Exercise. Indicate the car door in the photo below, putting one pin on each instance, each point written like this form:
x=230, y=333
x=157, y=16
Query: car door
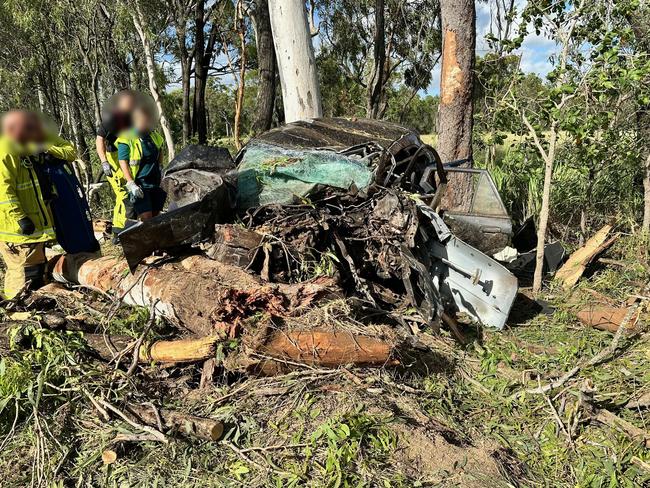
x=474, y=211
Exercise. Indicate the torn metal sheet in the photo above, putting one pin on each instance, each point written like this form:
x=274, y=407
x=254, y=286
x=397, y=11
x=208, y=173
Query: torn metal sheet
x=196, y=171
x=468, y=280
x=172, y=230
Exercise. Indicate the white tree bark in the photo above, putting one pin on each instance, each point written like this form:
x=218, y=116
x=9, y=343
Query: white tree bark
x=296, y=62
x=139, y=23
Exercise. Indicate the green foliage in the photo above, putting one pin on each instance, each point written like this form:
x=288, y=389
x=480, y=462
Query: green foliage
x=355, y=442
x=25, y=378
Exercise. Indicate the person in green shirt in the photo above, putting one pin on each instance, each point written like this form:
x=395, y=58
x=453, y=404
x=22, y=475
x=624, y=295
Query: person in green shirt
x=139, y=151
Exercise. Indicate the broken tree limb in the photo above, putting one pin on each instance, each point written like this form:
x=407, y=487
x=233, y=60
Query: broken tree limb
x=196, y=293
x=601, y=356
x=272, y=352
x=178, y=422
x=105, y=346
x=606, y=317
x=179, y=351
x=569, y=274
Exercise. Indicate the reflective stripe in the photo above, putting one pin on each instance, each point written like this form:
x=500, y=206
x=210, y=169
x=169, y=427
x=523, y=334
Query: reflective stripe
x=49, y=230
x=7, y=202
x=28, y=185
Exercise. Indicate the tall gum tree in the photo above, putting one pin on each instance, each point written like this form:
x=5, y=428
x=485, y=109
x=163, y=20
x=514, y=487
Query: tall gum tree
x=296, y=63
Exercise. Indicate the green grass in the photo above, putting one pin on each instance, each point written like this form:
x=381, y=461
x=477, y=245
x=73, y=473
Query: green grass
x=442, y=424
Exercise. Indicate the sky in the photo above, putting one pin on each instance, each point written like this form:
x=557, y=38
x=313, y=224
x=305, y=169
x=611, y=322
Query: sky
x=536, y=51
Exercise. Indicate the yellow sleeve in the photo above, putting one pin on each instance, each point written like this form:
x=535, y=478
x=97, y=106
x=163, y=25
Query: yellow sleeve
x=8, y=195
x=61, y=149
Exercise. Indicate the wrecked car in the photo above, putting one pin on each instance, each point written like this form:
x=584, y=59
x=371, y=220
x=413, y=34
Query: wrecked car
x=363, y=200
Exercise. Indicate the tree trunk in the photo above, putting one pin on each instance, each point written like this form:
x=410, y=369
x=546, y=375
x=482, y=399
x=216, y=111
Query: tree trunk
x=376, y=82
x=185, y=61
x=199, y=125
x=202, y=296
x=266, y=66
x=140, y=26
x=239, y=102
x=456, y=83
x=549, y=160
x=296, y=62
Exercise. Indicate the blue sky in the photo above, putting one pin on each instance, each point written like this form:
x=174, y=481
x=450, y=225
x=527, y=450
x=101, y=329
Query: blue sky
x=535, y=51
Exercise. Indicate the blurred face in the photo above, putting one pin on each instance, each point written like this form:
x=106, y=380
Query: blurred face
x=125, y=103
x=23, y=127
x=142, y=120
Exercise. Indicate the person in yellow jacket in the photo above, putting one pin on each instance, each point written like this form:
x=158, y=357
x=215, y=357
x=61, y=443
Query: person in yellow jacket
x=116, y=120
x=26, y=222
x=140, y=154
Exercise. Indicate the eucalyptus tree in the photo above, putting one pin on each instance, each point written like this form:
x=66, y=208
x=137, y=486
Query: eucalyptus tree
x=377, y=43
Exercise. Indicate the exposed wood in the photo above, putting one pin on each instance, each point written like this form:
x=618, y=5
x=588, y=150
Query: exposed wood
x=178, y=422
x=109, y=456
x=296, y=62
x=569, y=274
x=181, y=351
x=456, y=83
x=606, y=317
x=196, y=293
x=271, y=352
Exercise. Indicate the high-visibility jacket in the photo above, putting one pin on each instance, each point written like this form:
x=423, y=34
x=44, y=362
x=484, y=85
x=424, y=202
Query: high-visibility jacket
x=20, y=192
x=132, y=139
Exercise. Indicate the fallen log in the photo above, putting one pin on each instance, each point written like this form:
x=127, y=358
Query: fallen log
x=179, y=351
x=271, y=352
x=607, y=317
x=178, y=422
x=196, y=293
x=106, y=347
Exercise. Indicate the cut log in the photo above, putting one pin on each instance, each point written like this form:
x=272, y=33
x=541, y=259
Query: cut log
x=569, y=274
x=196, y=293
x=272, y=352
x=178, y=422
x=180, y=351
x=606, y=317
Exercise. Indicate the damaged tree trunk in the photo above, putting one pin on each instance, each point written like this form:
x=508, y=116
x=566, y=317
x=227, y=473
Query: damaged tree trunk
x=200, y=295
x=456, y=82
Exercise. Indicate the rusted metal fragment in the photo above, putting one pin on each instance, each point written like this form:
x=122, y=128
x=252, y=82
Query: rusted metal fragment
x=196, y=293
x=233, y=244
x=606, y=317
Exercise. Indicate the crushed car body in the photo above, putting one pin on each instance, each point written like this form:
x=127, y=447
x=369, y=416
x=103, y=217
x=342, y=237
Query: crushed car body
x=364, y=201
